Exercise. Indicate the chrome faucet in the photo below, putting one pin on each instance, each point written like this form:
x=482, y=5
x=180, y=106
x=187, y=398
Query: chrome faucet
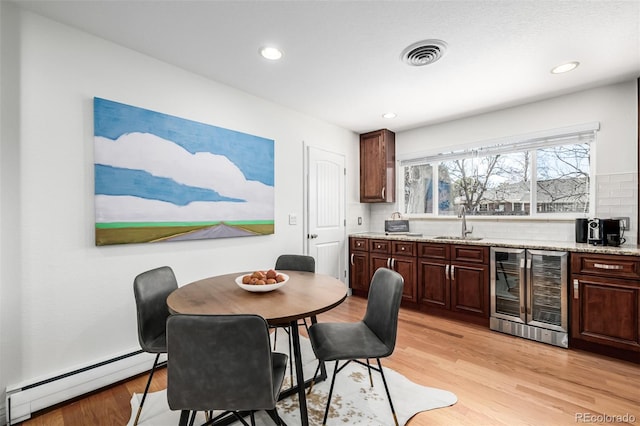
x=463, y=214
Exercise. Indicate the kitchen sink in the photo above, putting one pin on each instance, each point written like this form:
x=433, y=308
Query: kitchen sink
x=451, y=237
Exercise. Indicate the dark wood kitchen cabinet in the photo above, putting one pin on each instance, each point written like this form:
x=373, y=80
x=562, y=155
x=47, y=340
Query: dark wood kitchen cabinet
x=404, y=262
x=605, y=304
x=399, y=256
x=377, y=167
x=359, y=276
x=454, y=280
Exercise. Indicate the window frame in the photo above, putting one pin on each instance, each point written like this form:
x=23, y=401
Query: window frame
x=520, y=143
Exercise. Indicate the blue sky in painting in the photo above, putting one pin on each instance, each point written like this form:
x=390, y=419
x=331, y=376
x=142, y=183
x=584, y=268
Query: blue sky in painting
x=113, y=119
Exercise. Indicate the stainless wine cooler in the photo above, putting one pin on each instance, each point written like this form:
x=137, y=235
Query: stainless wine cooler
x=529, y=294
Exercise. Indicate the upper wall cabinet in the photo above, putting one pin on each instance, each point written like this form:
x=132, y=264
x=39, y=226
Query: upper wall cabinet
x=377, y=167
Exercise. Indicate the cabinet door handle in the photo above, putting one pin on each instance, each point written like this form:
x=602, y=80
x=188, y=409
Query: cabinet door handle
x=453, y=272
x=351, y=259
x=576, y=289
x=605, y=266
x=446, y=272
x=383, y=190
x=388, y=263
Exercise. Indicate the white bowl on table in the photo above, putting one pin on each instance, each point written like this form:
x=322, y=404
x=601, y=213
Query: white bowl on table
x=263, y=287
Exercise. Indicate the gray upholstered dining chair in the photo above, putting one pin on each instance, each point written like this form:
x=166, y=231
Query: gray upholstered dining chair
x=222, y=362
x=293, y=262
x=150, y=290
x=372, y=337
x=296, y=262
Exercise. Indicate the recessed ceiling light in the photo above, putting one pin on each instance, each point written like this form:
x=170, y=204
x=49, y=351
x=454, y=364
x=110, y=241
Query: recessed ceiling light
x=389, y=115
x=271, y=53
x=569, y=66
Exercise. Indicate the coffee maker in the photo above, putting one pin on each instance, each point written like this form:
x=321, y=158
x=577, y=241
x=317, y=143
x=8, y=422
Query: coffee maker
x=603, y=232
x=582, y=230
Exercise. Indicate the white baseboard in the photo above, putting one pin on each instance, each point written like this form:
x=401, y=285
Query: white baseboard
x=29, y=397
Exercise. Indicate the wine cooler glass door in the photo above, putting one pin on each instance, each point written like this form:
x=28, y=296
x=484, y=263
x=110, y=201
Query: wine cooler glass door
x=508, y=284
x=547, y=295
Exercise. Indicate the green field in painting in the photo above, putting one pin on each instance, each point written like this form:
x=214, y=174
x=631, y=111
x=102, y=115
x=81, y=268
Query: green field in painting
x=132, y=233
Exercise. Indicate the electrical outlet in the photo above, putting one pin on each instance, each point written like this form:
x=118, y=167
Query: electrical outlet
x=624, y=223
x=359, y=220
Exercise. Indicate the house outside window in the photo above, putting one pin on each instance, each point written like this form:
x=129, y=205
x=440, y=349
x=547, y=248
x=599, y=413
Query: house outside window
x=531, y=176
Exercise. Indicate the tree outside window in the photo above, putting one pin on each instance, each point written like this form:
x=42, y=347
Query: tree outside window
x=501, y=184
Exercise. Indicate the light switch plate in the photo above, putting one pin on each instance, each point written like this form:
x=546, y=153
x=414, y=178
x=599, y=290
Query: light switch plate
x=293, y=219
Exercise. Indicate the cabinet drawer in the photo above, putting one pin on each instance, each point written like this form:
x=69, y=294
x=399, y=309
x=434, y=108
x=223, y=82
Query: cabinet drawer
x=433, y=251
x=470, y=254
x=380, y=246
x=605, y=265
x=359, y=244
x=403, y=248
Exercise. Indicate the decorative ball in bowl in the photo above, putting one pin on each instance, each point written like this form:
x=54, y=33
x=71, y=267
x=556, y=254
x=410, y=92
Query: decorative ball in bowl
x=262, y=281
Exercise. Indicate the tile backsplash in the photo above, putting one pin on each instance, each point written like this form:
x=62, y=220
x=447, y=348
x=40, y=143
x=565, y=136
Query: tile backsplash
x=616, y=195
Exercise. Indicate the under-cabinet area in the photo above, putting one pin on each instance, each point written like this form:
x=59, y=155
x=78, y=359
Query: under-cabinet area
x=578, y=296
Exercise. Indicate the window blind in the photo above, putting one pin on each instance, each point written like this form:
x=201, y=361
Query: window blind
x=585, y=133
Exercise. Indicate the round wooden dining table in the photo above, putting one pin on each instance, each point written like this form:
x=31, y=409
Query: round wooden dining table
x=305, y=294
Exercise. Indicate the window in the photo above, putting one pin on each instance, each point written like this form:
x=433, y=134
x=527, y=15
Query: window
x=534, y=176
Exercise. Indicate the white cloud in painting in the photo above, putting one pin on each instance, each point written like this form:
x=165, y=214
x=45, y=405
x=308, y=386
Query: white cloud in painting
x=134, y=209
x=163, y=158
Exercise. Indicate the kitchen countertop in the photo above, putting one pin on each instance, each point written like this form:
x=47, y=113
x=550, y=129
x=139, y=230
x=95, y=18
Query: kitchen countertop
x=627, y=250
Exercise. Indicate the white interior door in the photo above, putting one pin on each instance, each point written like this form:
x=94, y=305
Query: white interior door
x=326, y=216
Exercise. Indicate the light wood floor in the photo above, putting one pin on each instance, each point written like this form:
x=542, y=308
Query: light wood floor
x=499, y=379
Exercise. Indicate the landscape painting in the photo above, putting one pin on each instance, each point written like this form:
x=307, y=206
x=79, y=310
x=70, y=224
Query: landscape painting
x=162, y=178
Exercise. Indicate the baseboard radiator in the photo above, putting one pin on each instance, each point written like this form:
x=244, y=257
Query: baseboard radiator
x=27, y=398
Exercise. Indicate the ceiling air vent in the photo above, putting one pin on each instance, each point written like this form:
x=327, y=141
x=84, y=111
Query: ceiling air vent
x=424, y=52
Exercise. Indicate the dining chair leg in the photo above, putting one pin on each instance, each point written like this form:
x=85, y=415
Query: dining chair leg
x=370, y=376
x=276, y=417
x=275, y=337
x=333, y=381
x=184, y=418
x=313, y=379
x=386, y=388
x=240, y=418
x=146, y=390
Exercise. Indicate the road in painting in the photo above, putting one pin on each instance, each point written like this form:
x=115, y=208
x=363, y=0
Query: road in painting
x=163, y=178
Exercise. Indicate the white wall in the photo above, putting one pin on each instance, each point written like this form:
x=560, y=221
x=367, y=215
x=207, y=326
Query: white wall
x=10, y=246
x=66, y=302
x=614, y=106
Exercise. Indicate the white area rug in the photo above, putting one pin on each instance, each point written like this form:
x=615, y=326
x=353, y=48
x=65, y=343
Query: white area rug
x=354, y=401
